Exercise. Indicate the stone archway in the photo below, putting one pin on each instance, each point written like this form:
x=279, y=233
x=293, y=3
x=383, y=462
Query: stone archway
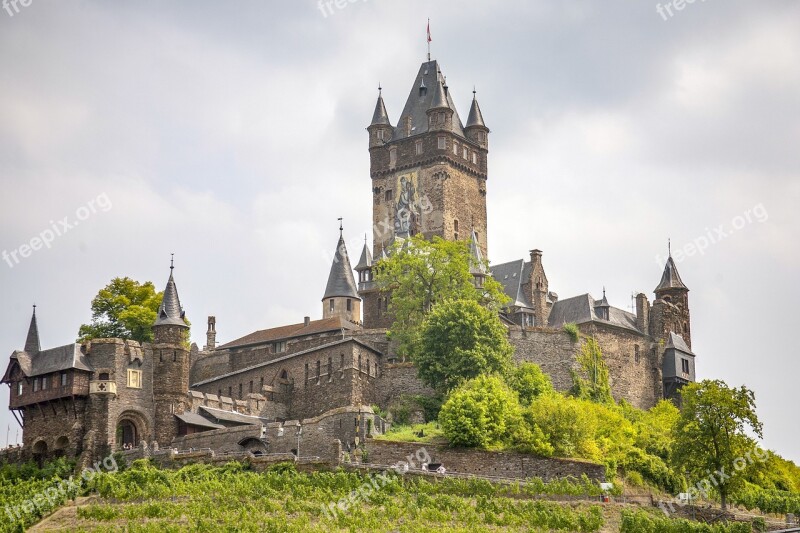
x=40, y=447
x=60, y=448
x=131, y=429
x=253, y=445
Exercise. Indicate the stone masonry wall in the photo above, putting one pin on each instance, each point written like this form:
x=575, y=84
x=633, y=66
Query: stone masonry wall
x=551, y=349
x=482, y=463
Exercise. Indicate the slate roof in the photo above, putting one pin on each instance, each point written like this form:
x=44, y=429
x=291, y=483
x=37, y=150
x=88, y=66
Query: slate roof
x=194, y=419
x=229, y=416
x=418, y=104
x=48, y=361
x=32, y=344
x=670, y=279
x=380, y=117
x=170, y=312
x=475, y=117
x=580, y=310
x=340, y=280
x=335, y=323
x=676, y=342
x=366, y=259
x=511, y=276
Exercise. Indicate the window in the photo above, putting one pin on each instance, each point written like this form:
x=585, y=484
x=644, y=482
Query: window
x=161, y=356
x=349, y=304
x=279, y=347
x=455, y=148
x=341, y=361
x=261, y=388
x=685, y=366
x=388, y=195
x=19, y=388
x=330, y=368
x=251, y=386
x=134, y=379
x=392, y=156
x=230, y=391
x=455, y=229
x=379, y=134
x=44, y=382
x=35, y=384
x=63, y=379
x=418, y=147
x=331, y=305
x=359, y=362
x=636, y=353
x=240, y=391
x=174, y=355
x=369, y=365
x=306, y=371
x=318, y=371
x=441, y=143
x=465, y=153
x=474, y=158
x=219, y=393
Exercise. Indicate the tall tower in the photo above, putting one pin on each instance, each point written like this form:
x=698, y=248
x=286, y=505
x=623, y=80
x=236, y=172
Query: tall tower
x=341, y=297
x=670, y=312
x=171, y=364
x=429, y=171
x=32, y=345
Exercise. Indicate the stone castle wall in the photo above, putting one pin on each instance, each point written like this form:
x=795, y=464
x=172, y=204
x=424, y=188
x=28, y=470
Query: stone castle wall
x=552, y=349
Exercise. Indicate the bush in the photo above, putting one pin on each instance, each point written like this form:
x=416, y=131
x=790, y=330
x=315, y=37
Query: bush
x=571, y=329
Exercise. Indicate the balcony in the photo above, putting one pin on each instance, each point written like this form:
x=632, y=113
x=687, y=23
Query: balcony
x=102, y=387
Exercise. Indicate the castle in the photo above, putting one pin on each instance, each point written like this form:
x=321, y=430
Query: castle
x=321, y=377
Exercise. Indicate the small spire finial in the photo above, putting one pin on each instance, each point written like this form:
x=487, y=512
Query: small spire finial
x=604, y=291
x=474, y=92
x=669, y=246
x=340, y=226
x=34, y=309
x=379, y=88
x=171, y=261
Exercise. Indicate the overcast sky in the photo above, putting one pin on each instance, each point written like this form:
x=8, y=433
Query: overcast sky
x=232, y=134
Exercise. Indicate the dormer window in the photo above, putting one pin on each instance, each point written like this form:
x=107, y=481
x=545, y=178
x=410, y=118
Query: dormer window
x=418, y=147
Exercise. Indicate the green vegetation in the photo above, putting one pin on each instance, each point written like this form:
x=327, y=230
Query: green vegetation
x=27, y=493
x=430, y=432
x=571, y=329
x=419, y=274
x=202, y=497
x=124, y=309
x=593, y=381
x=461, y=340
x=712, y=435
x=644, y=522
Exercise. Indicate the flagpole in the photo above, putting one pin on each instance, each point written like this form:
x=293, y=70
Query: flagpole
x=429, y=39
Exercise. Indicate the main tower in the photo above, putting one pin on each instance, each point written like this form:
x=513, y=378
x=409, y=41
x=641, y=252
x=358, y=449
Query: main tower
x=428, y=172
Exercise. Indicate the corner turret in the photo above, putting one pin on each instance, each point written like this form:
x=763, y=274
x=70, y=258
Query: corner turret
x=341, y=296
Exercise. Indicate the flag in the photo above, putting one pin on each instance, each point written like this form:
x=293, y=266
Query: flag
x=429, y=30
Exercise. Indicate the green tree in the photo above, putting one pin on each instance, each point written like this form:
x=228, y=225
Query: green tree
x=567, y=423
x=529, y=381
x=712, y=436
x=460, y=340
x=418, y=274
x=592, y=382
x=483, y=412
x=124, y=309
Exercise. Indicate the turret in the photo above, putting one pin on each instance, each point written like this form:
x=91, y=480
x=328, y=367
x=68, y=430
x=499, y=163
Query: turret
x=440, y=114
x=211, y=333
x=380, y=128
x=476, y=130
x=364, y=267
x=670, y=312
x=32, y=345
x=539, y=288
x=341, y=296
x=602, y=308
x=171, y=363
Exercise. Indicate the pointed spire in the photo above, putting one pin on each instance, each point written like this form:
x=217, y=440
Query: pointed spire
x=340, y=280
x=365, y=261
x=477, y=267
x=475, y=117
x=32, y=345
x=170, y=312
x=604, y=301
x=439, y=97
x=380, y=117
x=670, y=279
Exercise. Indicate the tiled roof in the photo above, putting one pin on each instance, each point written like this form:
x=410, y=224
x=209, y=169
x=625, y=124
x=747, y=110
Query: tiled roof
x=32, y=344
x=380, y=117
x=170, y=313
x=676, y=341
x=475, y=117
x=194, y=419
x=52, y=360
x=511, y=276
x=340, y=280
x=580, y=310
x=230, y=416
x=670, y=279
x=334, y=323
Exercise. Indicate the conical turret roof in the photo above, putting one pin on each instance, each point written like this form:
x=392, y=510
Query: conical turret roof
x=365, y=261
x=380, y=117
x=439, y=97
x=670, y=279
x=341, y=281
x=32, y=344
x=170, y=313
x=475, y=117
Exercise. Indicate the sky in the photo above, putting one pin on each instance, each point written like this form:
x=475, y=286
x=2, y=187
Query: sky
x=233, y=135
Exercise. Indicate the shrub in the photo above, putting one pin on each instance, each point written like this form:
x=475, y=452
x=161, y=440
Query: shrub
x=571, y=329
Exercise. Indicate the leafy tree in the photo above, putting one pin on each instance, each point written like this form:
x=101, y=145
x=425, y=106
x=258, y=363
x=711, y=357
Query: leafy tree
x=567, y=424
x=529, y=381
x=711, y=441
x=460, y=340
x=124, y=309
x=418, y=274
x=592, y=382
x=483, y=412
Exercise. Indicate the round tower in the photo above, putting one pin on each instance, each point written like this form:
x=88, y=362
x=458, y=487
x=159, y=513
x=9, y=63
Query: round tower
x=341, y=296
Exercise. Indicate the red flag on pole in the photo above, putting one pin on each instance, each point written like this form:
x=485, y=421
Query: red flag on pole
x=429, y=30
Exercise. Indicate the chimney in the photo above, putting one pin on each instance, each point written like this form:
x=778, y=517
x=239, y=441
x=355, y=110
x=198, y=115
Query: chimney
x=642, y=313
x=307, y=320
x=211, y=334
x=536, y=256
